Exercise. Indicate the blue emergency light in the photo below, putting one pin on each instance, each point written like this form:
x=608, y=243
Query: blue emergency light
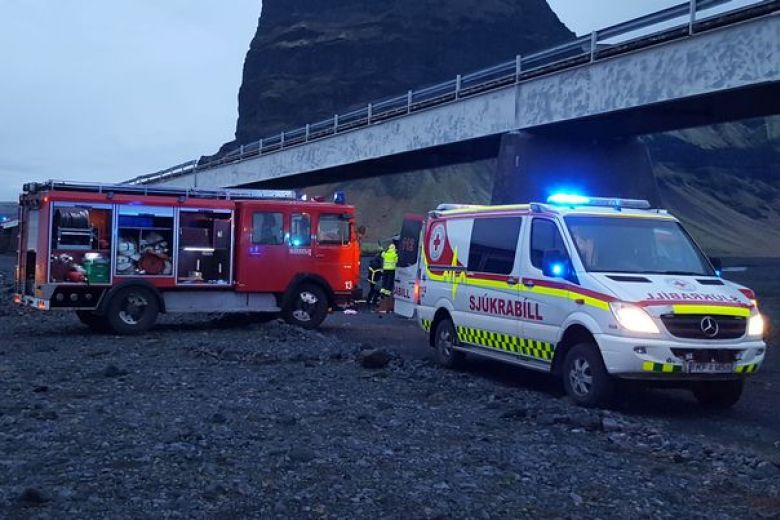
x=557, y=269
x=568, y=199
x=573, y=199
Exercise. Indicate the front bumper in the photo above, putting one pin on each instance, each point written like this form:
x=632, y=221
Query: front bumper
x=656, y=360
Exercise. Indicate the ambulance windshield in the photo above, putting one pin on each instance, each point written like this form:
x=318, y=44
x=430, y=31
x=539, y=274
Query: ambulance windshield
x=636, y=245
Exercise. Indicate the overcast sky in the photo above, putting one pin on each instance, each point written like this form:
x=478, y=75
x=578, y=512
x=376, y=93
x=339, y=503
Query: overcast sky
x=104, y=90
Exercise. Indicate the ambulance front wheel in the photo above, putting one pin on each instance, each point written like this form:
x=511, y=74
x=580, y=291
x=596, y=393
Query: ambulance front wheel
x=132, y=310
x=446, y=341
x=718, y=394
x=585, y=377
x=307, y=308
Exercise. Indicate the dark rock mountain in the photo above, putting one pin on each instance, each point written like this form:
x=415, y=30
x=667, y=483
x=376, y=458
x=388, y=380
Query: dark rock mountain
x=311, y=59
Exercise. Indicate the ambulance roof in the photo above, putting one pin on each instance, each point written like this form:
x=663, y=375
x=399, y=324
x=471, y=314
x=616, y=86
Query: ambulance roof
x=563, y=206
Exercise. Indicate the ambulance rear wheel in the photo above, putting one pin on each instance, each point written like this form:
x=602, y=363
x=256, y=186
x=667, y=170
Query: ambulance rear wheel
x=132, y=310
x=585, y=377
x=308, y=307
x=446, y=342
x=718, y=394
x=93, y=321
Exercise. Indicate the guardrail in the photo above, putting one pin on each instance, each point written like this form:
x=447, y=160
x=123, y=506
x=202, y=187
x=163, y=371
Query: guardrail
x=672, y=23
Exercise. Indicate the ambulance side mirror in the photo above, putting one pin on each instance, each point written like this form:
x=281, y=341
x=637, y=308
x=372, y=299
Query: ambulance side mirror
x=556, y=265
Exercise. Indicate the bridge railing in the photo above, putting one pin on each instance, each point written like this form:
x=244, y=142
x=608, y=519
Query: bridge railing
x=674, y=22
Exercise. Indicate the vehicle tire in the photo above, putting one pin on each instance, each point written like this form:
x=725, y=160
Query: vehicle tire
x=445, y=341
x=718, y=395
x=132, y=310
x=94, y=321
x=308, y=307
x=585, y=377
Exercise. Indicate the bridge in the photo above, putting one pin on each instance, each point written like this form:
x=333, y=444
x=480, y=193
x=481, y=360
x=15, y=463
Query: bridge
x=582, y=103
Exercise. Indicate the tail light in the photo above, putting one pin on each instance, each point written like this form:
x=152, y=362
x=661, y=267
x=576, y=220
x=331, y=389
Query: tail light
x=417, y=292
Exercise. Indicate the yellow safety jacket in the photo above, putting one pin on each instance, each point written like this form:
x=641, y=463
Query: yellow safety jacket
x=390, y=258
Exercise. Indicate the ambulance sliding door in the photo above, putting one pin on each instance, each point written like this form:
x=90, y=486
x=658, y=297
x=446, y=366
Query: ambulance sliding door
x=487, y=306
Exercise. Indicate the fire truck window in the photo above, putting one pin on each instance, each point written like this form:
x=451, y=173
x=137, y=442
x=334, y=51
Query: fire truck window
x=493, y=245
x=545, y=237
x=81, y=244
x=300, y=230
x=333, y=230
x=145, y=246
x=205, y=246
x=268, y=229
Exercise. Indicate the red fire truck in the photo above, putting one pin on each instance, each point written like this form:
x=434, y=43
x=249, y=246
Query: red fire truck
x=119, y=255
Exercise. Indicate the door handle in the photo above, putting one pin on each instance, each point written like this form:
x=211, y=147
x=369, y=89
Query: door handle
x=528, y=283
x=319, y=255
x=511, y=280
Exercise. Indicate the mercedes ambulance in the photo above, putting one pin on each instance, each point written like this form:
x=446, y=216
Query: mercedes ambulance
x=588, y=289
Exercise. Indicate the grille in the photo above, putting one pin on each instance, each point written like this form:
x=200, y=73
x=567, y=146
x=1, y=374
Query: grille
x=689, y=326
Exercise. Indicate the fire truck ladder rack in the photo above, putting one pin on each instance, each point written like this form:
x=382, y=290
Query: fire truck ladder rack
x=183, y=194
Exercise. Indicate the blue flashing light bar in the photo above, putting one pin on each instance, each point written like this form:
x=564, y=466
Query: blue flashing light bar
x=572, y=199
x=568, y=199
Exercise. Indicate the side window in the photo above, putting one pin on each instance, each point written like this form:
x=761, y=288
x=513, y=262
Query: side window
x=268, y=229
x=493, y=244
x=333, y=230
x=545, y=238
x=300, y=230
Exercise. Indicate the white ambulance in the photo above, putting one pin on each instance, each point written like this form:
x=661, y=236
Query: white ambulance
x=589, y=289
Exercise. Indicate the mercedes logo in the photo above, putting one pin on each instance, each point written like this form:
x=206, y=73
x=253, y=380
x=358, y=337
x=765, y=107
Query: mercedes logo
x=709, y=326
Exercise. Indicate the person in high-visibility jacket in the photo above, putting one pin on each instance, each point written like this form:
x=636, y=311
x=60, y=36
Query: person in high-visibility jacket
x=374, y=279
x=389, y=261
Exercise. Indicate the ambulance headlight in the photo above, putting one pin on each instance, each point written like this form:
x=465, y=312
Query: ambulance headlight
x=633, y=318
x=756, y=325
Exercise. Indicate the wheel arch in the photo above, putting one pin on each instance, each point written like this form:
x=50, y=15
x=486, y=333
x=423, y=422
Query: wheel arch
x=304, y=278
x=442, y=313
x=574, y=334
x=106, y=300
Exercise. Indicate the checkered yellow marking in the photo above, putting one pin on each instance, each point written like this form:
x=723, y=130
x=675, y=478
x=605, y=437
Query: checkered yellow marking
x=540, y=350
x=747, y=369
x=666, y=368
x=426, y=325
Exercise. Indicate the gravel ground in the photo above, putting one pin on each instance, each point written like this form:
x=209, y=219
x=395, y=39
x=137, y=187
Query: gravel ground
x=205, y=418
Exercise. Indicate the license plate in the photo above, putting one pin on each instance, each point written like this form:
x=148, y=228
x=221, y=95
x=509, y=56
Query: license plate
x=710, y=368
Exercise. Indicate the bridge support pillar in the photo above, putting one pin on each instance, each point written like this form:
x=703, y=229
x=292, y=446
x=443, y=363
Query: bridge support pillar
x=531, y=167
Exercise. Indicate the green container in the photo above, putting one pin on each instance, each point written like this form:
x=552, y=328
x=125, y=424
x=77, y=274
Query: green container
x=98, y=271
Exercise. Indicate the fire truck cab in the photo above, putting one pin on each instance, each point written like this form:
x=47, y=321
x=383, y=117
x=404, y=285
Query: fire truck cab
x=589, y=289
x=119, y=255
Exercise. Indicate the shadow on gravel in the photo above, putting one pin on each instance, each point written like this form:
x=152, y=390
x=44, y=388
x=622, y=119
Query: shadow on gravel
x=631, y=398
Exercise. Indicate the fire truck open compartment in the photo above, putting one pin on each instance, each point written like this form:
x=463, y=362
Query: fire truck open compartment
x=80, y=238
x=205, y=247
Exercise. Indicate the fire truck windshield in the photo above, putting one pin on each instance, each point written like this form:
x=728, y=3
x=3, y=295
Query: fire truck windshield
x=636, y=245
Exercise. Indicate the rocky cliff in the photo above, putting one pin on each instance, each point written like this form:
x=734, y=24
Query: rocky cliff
x=311, y=59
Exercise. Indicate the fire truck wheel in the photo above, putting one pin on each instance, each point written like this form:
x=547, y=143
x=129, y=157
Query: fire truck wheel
x=93, y=321
x=718, y=394
x=446, y=341
x=585, y=378
x=132, y=310
x=308, y=307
